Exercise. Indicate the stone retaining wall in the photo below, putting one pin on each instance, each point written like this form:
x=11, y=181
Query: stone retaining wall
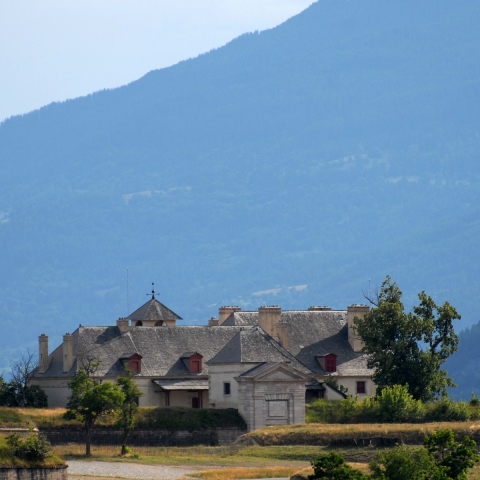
x=147, y=438
x=59, y=473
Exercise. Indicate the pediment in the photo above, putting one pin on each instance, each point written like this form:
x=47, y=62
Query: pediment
x=276, y=372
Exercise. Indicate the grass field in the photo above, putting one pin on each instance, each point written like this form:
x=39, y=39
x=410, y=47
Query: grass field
x=322, y=434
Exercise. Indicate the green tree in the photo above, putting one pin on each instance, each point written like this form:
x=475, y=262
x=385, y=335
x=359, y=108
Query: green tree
x=333, y=467
x=409, y=348
x=91, y=399
x=406, y=463
x=455, y=458
x=333, y=382
x=129, y=406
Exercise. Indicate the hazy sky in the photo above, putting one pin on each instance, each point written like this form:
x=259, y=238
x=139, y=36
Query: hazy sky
x=58, y=49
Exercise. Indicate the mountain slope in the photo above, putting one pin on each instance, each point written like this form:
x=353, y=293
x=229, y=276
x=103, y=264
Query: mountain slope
x=299, y=162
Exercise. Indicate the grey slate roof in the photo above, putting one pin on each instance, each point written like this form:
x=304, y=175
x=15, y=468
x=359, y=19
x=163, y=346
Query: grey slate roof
x=241, y=319
x=183, y=384
x=310, y=334
x=161, y=348
x=153, y=310
x=253, y=345
x=314, y=333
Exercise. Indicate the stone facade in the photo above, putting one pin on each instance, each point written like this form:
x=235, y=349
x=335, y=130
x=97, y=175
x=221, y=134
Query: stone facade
x=59, y=473
x=272, y=394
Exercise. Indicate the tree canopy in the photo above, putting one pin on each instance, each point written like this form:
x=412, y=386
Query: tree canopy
x=409, y=348
x=90, y=399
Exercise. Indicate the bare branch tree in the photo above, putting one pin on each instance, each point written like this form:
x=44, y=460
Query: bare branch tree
x=22, y=372
x=372, y=297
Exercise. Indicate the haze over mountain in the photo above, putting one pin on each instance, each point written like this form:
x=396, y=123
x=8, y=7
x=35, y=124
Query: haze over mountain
x=288, y=167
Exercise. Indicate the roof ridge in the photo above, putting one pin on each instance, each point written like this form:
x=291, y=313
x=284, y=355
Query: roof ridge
x=282, y=349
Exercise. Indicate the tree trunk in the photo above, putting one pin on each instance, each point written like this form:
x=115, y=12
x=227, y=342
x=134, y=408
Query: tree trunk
x=126, y=433
x=88, y=427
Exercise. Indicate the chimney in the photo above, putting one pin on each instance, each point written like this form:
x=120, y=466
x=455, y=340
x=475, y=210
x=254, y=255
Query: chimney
x=353, y=311
x=281, y=334
x=319, y=308
x=42, y=353
x=225, y=312
x=213, y=322
x=67, y=352
x=122, y=324
x=268, y=317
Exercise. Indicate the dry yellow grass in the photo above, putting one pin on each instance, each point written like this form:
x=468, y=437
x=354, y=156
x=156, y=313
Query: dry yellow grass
x=237, y=473
x=323, y=434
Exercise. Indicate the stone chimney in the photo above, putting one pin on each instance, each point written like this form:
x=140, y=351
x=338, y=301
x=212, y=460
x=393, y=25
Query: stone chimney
x=213, y=322
x=319, y=308
x=281, y=334
x=122, y=324
x=225, y=312
x=42, y=353
x=67, y=352
x=268, y=317
x=353, y=311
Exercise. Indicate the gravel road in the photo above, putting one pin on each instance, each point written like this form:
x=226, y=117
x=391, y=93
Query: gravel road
x=126, y=470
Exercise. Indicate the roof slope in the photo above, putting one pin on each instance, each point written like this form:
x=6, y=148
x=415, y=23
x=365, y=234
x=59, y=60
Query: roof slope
x=153, y=310
x=253, y=345
x=312, y=333
x=160, y=347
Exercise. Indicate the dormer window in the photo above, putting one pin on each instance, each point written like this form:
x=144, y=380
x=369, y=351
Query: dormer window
x=133, y=361
x=193, y=361
x=328, y=362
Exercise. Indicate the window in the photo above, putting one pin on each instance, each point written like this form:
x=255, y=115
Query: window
x=330, y=363
x=361, y=388
x=226, y=388
x=195, y=366
x=135, y=366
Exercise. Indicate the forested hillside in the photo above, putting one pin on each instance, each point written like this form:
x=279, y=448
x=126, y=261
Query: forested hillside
x=288, y=167
x=464, y=365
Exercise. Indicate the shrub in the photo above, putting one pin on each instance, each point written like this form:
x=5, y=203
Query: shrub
x=474, y=401
x=447, y=410
x=179, y=418
x=401, y=463
x=34, y=448
x=333, y=467
x=333, y=411
x=394, y=404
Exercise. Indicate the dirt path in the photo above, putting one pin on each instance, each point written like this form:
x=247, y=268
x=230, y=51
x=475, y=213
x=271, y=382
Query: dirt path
x=117, y=470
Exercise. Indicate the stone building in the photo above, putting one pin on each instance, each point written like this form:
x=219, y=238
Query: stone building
x=265, y=363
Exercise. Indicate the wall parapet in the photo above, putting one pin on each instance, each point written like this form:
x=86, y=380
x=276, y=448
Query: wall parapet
x=147, y=437
x=18, y=473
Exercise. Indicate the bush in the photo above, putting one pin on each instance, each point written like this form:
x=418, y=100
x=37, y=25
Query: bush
x=393, y=405
x=447, y=410
x=34, y=448
x=333, y=467
x=401, y=463
x=179, y=418
x=333, y=411
x=474, y=401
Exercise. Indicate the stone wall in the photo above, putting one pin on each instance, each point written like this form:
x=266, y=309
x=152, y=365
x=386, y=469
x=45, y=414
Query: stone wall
x=59, y=473
x=147, y=438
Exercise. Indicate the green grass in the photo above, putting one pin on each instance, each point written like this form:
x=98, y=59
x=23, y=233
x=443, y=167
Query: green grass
x=8, y=459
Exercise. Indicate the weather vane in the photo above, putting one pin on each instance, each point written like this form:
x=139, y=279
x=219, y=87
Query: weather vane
x=153, y=291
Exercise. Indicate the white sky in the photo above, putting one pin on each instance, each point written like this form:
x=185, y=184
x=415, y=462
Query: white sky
x=51, y=50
